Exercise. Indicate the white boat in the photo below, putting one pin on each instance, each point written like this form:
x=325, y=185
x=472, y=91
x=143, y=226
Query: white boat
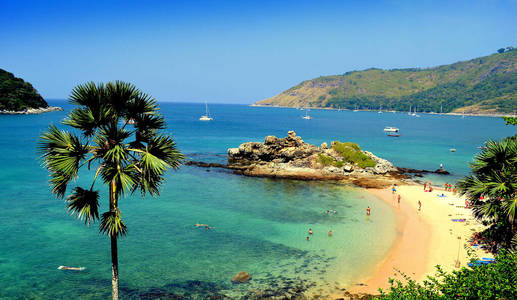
x=380, y=110
x=306, y=117
x=452, y=150
x=409, y=112
x=356, y=110
x=391, y=129
x=206, y=117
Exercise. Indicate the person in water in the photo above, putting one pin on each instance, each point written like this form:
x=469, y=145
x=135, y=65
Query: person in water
x=330, y=232
x=71, y=268
x=200, y=225
x=310, y=231
x=368, y=211
x=308, y=239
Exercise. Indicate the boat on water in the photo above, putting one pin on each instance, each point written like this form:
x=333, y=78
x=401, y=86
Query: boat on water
x=206, y=117
x=380, y=110
x=391, y=129
x=452, y=150
x=306, y=117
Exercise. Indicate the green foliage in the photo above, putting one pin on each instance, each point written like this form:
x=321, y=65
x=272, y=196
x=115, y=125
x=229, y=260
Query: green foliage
x=510, y=120
x=16, y=94
x=329, y=161
x=493, y=281
x=491, y=188
x=351, y=152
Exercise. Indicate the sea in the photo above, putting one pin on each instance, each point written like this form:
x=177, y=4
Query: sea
x=260, y=225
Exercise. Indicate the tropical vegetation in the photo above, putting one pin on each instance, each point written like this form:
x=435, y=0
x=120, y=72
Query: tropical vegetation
x=117, y=134
x=485, y=84
x=349, y=153
x=496, y=280
x=17, y=94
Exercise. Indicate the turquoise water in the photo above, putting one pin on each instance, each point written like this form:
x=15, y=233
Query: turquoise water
x=260, y=224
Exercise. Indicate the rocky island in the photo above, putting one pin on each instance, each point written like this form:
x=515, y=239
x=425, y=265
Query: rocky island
x=292, y=158
x=20, y=97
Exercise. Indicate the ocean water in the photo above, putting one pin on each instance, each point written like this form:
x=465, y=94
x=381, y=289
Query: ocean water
x=260, y=224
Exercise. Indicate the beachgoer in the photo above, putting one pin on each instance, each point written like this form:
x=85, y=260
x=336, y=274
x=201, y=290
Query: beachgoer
x=327, y=211
x=330, y=232
x=430, y=188
x=419, y=205
x=430, y=183
x=446, y=186
x=393, y=189
x=368, y=211
x=398, y=198
x=71, y=268
x=307, y=239
x=200, y=225
x=454, y=191
x=310, y=231
x=425, y=185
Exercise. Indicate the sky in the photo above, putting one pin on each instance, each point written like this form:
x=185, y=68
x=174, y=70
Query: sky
x=238, y=51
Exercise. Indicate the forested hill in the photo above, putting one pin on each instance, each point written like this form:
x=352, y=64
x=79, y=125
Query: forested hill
x=17, y=95
x=486, y=84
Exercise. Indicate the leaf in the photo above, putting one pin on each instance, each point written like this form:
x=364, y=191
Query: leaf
x=84, y=204
x=112, y=224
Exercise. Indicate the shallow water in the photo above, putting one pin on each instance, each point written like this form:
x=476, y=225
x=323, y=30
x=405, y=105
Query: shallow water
x=260, y=224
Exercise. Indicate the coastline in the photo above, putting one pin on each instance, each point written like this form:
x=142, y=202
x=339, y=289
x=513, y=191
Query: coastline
x=493, y=115
x=425, y=238
x=31, y=111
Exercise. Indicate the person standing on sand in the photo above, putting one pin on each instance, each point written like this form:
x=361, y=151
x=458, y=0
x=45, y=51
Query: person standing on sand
x=368, y=211
x=398, y=198
x=425, y=185
x=419, y=205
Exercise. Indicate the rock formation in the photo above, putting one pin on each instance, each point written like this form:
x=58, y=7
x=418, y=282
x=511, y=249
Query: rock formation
x=292, y=158
x=241, y=277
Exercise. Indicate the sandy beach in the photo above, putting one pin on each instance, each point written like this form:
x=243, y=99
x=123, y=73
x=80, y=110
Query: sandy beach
x=426, y=237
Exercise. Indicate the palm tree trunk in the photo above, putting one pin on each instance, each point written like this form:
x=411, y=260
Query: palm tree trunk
x=114, y=248
x=114, y=268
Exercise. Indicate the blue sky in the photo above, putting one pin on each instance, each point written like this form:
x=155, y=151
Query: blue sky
x=238, y=51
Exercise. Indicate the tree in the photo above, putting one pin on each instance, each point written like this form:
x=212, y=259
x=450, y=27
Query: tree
x=119, y=134
x=501, y=50
x=491, y=188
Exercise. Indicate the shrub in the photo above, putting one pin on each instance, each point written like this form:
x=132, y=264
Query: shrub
x=351, y=152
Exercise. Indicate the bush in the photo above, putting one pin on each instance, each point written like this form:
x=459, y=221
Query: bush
x=351, y=152
x=329, y=161
x=493, y=281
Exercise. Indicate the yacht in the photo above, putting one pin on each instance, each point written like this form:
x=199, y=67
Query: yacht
x=306, y=117
x=391, y=129
x=206, y=117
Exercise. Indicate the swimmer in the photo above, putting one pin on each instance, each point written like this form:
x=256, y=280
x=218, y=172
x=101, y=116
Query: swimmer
x=368, y=211
x=308, y=239
x=327, y=211
x=71, y=268
x=200, y=225
x=310, y=231
x=330, y=232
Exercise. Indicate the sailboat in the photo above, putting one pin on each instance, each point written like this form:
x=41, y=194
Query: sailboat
x=409, y=112
x=206, y=117
x=356, y=110
x=380, y=110
x=306, y=117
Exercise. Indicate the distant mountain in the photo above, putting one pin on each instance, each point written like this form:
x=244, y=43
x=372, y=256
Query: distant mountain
x=481, y=85
x=18, y=95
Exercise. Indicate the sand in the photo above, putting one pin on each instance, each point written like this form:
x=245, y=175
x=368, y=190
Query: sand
x=426, y=237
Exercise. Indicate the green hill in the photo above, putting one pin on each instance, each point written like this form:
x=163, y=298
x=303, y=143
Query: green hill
x=485, y=84
x=17, y=95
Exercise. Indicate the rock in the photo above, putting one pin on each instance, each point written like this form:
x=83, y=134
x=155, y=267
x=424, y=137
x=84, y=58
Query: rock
x=241, y=277
x=324, y=146
x=441, y=171
x=270, y=140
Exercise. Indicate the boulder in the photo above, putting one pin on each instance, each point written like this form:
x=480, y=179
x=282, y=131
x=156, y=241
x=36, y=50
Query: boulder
x=324, y=146
x=241, y=277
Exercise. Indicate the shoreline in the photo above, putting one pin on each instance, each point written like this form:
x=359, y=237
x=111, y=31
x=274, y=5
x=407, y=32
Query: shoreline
x=32, y=111
x=493, y=115
x=425, y=238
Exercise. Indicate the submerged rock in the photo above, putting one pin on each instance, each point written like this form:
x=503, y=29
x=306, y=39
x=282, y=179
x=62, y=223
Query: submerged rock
x=241, y=277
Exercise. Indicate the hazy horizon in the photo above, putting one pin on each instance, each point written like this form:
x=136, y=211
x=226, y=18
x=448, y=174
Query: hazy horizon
x=234, y=52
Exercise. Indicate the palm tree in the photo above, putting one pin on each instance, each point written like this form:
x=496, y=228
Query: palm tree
x=119, y=135
x=492, y=190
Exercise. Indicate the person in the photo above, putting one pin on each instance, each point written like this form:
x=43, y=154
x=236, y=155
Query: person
x=327, y=211
x=446, y=186
x=200, y=225
x=425, y=185
x=441, y=166
x=454, y=191
x=310, y=231
x=208, y=227
x=419, y=205
x=308, y=239
x=430, y=188
x=398, y=198
x=330, y=232
x=71, y=268
x=368, y=211
x=393, y=189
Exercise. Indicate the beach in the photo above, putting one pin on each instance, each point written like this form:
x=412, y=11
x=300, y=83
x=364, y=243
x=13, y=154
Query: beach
x=425, y=238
